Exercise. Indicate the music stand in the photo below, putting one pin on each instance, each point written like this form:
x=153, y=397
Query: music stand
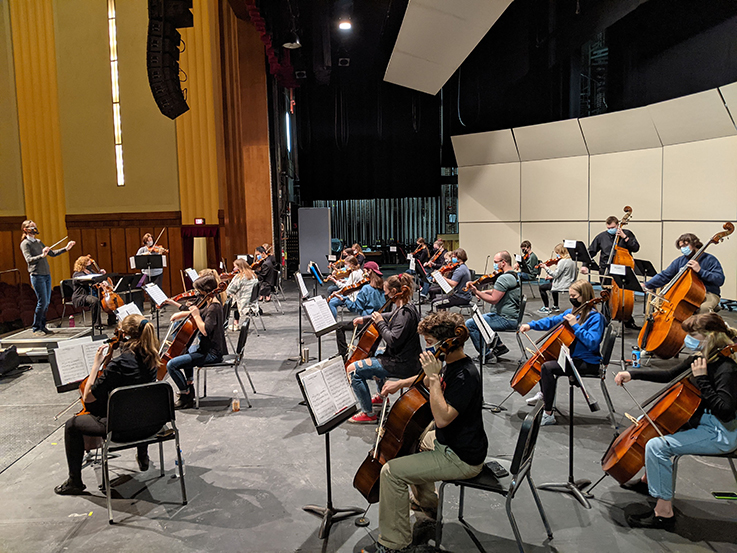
x=573, y=486
x=422, y=274
x=148, y=262
x=488, y=336
x=628, y=281
x=579, y=252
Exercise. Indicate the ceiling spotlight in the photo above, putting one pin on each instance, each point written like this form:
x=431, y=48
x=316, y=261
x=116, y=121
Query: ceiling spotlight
x=344, y=25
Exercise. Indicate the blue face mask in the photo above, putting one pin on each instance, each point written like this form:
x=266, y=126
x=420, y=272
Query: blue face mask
x=454, y=260
x=433, y=348
x=692, y=343
x=496, y=266
x=612, y=230
x=686, y=250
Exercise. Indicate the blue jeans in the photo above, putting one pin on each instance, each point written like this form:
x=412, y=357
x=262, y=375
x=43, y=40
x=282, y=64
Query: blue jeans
x=366, y=369
x=42, y=286
x=710, y=437
x=527, y=277
x=181, y=368
x=334, y=303
x=496, y=322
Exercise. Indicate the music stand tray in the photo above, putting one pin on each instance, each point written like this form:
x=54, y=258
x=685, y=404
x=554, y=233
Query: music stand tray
x=644, y=268
x=581, y=253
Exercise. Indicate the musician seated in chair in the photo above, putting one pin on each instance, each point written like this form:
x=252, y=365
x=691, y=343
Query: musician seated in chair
x=369, y=298
x=455, y=449
x=400, y=359
x=241, y=288
x=137, y=364
x=506, y=297
x=707, y=268
x=433, y=264
x=268, y=274
x=559, y=278
x=531, y=261
x=209, y=348
x=711, y=430
x=84, y=295
x=458, y=280
x=588, y=326
x=355, y=276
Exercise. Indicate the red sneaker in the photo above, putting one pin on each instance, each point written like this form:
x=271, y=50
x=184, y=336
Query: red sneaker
x=363, y=418
x=378, y=399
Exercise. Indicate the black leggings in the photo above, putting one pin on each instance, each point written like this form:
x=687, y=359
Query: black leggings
x=545, y=287
x=550, y=372
x=75, y=430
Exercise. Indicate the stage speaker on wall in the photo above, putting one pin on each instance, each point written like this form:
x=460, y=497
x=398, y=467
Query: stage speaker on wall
x=162, y=53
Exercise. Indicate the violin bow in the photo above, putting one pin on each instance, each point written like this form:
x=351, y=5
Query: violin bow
x=159, y=236
x=633, y=420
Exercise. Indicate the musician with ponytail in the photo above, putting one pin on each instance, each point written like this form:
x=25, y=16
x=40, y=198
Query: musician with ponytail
x=713, y=427
x=137, y=364
x=400, y=359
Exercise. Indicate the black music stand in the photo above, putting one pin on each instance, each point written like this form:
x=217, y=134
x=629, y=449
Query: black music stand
x=488, y=336
x=148, y=262
x=573, y=486
x=421, y=273
x=581, y=253
x=628, y=281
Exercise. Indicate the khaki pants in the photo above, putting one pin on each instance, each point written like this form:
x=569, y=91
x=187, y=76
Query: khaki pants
x=421, y=471
x=709, y=304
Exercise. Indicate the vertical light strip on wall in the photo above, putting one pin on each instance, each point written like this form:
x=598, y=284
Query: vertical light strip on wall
x=113, y=36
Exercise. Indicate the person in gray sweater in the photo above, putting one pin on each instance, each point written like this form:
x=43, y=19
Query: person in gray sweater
x=559, y=279
x=35, y=253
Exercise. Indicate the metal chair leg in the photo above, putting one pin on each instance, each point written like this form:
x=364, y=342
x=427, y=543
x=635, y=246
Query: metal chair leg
x=513, y=522
x=249, y=377
x=540, y=507
x=243, y=389
x=181, y=466
x=439, y=520
x=106, y=482
x=161, y=458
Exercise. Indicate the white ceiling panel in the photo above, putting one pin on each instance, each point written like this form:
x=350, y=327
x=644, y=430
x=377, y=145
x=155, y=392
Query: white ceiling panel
x=620, y=131
x=485, y=148
x=690, y=118
x=549, y=141
x=729, y=93
x=435, y=37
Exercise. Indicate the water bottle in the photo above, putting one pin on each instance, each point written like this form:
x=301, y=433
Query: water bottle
x=176, y=464
x=635, y=357
x=236, y=405
x=71, y=321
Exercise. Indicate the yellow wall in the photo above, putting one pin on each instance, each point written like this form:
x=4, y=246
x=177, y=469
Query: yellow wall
x=11, y=177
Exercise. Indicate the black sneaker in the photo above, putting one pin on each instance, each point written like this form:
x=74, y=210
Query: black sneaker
x=631, y=324
x=70, y=487
x=143, y=462
x=47, y=331
x=184, y=401
x=501, y=350
x=651, y=520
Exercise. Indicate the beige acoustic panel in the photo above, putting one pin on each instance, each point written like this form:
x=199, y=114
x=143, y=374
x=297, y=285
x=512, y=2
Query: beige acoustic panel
x=626, y=178
x=649, y=235
x=435, y=37
x=729, y=93
x=551, y=140
x=621, y=131
x=485, y=148
x=485, y=239
x=690, y=118
x=725, y=252
x=700, y=180
x=555, y=189
x=489, y=193
x=544, y=236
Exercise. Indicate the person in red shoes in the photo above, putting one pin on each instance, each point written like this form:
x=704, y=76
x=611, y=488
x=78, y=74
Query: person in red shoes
x=400, y=359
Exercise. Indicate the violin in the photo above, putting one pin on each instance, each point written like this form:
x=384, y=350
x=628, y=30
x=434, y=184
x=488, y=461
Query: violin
x=113, y=344
x=484, y=279
x=342, y=273
x=160, y=250
x=662, y=333
x=528, y=375
x=676, y=405
x=406, y=423
x=435, y=256
x=449, y=267
x=350, y=288
x=621, y=302
x=548, y=263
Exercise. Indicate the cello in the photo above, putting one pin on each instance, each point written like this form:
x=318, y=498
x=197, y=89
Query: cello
x=181, y=334
x=662, y=334
x=621, y=302
x=408, y=419
x=674, y=408
x=368, y=341
x=528, y=375
x=109, y=299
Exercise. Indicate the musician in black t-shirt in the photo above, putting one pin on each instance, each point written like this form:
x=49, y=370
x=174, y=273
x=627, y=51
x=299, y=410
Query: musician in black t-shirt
x=455, y=449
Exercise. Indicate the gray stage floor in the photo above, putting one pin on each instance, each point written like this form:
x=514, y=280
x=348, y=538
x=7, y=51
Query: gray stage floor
x=249, y=473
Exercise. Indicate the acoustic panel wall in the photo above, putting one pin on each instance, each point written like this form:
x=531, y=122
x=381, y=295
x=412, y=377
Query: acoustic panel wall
x=491, y=192
x=485, y=239
x=632, y=129
x=485, y=148
x=551, y=140
x=555, y=189
x=545, y=236
x=622, y=178
x=729, y=93
x=649, y=235
x=700, y=180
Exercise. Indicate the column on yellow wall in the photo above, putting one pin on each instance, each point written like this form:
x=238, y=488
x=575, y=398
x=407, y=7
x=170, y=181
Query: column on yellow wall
x=32, y=24
x=199, y=144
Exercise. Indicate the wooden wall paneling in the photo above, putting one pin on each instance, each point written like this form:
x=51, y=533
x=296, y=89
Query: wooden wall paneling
x=132, y=243
x=176, y=261
x=89, y=243
x=19, y=260
x=75, y=235
x=118, y=251
x=7, y=257
x=104, y=254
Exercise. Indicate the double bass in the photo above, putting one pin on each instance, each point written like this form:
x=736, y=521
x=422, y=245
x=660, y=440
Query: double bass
x=528, y=375
x=407, y=421
x=621, y=301
x=662, y=333
x=675, y=406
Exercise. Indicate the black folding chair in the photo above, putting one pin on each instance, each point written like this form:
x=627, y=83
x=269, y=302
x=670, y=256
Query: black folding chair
x=507, y=486
x=67, y=289
x=136, y=416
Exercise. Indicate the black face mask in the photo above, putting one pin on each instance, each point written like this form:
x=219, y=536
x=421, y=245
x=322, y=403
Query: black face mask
x=575, y=302
x=33, y=231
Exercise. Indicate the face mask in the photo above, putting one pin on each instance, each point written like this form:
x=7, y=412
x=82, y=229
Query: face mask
x=575, y=302
x=33, y=231
x=433, y=348
x=612, y=230
x=454, y=260
x=150, y=243
x=557, y=256
x=686, y=250
x=692, y=343
x=496, y=266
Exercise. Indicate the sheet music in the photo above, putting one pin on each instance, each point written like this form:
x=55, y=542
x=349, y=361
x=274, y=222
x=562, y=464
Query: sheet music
x=132, y=261
x=327, y=389
x=87, y=277
x=569, y=244
x=487, y=333
x=71, y=361
x=563, y=356
x=615, y=269
x=241, y=257
x=440, y=279
x=336, y=380
x=192, y=274
x=127, y=309
x=318, y=396
x=332, y=258
x=302, y=287
x=155, y=293
x=392, y=249
x=319, y=314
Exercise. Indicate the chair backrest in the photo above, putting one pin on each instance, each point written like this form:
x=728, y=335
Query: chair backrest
x=243, y=336
x=254, y=293
x=522, y=305
x=607, y=344
x=226, y=311
x=67, y=289
x=139, y=411
x=526, y=441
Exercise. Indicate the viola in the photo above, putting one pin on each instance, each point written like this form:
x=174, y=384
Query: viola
x=406, y=423
x=528, y=375
x=449, y=267
x=435, y=256
x=621, y=302
x=113, y=344
x=662, y=333
x=550, y=262
x=159, y=250
x=484, y=279
x=343, y=273
x=350, y=288
x=181, y=334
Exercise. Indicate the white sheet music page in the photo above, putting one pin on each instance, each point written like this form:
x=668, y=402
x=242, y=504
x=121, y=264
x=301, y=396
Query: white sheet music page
x=302, y=287
x=70, y=360
x=440, y=280
x=337, y=383
x=318, y=313
x=321, y=402
x=192, y=274
x=155, y=293
x=127, y=309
